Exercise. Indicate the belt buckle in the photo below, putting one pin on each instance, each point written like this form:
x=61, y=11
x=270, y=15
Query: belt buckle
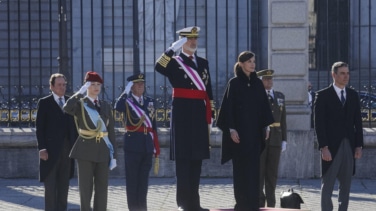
x=145, y=131
x=98, y=137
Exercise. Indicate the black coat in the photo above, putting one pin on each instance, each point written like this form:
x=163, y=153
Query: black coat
x=52, y=127
x=334, y=122
x=189, y=128
x=245, y=108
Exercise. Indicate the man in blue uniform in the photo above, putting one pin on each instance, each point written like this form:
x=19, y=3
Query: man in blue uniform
x=275, y=144
x=140, y=140
x=191, y=113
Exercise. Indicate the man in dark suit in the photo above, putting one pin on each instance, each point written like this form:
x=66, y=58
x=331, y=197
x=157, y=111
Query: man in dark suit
x=275, y=143
x=338, y=126
x=56, y=135
x=191, y=113
x=140, y=140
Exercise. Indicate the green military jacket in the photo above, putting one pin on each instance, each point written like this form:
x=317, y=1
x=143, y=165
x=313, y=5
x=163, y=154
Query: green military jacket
x=91, y=149
x=278, y=128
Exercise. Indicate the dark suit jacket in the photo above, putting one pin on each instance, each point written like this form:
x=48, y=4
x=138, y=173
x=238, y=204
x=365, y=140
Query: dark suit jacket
x=90, y=150
x=189, y=128
x=334, y=122
x=52, y=127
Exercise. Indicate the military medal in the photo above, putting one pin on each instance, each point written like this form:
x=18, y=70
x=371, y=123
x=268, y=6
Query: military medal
x=151, y=110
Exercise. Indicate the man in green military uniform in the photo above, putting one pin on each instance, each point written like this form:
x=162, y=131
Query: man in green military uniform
x=275, y=143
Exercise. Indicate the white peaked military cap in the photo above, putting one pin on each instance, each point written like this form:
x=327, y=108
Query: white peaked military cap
x=189, y=32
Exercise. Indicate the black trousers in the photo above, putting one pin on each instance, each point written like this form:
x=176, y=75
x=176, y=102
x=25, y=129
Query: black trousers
x=56, y=184
x=246, y=176
x=137, y=169
x=187, y=184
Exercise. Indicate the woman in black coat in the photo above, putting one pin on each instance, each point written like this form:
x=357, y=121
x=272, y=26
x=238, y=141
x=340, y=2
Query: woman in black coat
x=243, y=118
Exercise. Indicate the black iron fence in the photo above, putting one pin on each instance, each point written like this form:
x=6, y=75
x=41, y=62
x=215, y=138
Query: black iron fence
x=342, y=30
x=119, y=37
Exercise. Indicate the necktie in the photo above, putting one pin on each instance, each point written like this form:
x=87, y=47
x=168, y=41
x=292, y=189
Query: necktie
x=270, y=97
x=191, y=57
x=343, y=100
x=61, y=102
x=97, y=105
x=140, y=100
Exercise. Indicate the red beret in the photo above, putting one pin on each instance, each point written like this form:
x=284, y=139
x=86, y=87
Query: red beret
x=93, y=77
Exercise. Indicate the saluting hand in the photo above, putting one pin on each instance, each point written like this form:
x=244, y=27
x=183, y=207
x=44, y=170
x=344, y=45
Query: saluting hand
x=128, y=88
x=178, y=44
x=84, y=87
x=235, y=136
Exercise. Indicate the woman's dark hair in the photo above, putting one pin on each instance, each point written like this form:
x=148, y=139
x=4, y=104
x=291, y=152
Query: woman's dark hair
x=243, y=56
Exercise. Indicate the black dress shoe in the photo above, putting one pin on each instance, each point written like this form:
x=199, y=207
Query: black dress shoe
x=193, y=209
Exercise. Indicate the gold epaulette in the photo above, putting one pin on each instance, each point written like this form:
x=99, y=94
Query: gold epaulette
x=164, y=60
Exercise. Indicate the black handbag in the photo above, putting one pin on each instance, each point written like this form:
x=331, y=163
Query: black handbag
x=289, y=199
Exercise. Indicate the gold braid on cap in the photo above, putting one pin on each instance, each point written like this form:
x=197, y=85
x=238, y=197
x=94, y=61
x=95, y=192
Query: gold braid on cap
x=129, y=118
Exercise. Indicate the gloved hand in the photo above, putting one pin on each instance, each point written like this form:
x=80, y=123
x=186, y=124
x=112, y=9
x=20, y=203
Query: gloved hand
x=84, y=87
x=112, y=164
x=128, y=87
x=177, y=44
x=210, y=126
x=267, y=133
x=284, y=143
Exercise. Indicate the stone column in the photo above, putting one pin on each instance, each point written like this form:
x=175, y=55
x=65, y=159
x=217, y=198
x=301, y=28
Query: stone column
x=288, y=56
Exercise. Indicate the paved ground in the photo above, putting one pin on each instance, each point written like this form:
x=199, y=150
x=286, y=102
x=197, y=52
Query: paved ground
x=27, y=194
